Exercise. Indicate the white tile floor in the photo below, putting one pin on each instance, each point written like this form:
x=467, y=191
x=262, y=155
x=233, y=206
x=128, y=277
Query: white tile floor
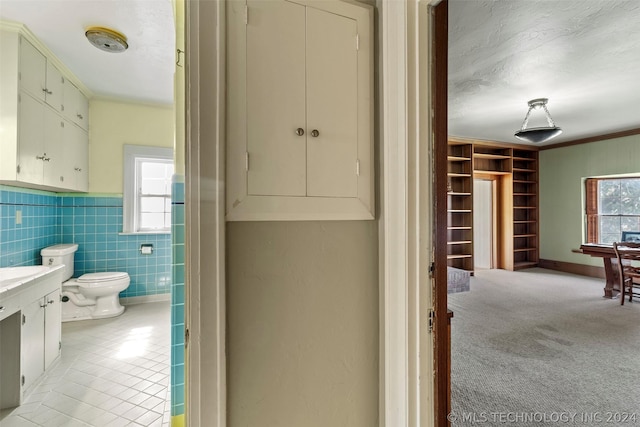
x=113, y=372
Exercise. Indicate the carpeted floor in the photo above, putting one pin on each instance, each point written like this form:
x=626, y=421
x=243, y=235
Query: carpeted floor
x=540, y=347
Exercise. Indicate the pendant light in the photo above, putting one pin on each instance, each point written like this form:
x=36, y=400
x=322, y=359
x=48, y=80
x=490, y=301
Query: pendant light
x=107, y=39
x=539, y=134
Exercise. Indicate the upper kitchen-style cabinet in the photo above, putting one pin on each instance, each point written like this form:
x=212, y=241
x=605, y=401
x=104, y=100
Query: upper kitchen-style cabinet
x=300, y=105
x=39, y=76
x=44, y=140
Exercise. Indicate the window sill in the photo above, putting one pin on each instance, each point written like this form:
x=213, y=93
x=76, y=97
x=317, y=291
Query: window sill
x=133, y=233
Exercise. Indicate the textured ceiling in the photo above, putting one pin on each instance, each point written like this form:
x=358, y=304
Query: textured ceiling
x=582, y=55
x=143, y=73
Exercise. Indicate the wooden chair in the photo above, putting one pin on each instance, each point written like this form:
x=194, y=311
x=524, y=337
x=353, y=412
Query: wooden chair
x=628, y=270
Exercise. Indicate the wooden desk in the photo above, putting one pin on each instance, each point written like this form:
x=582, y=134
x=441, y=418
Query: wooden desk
x=607, y=253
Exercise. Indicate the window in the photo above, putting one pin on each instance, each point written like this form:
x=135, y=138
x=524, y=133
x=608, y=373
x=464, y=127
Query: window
x=613, y=206
x=147, y=189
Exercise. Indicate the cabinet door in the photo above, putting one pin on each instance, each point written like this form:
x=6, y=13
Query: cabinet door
x=54, y=87
x=33, y=67
x=30, y=140
x=76, y=105
x=275, y=83
x=52, y=327
x=32, y=346
x=76, y=156
x=53, y=164
x=332, y=104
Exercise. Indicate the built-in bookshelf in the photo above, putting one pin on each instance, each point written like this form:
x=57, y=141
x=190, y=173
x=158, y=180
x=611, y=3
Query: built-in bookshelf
x=460, y=207
x=491, y=160
x=525, y=209
x=516, y=172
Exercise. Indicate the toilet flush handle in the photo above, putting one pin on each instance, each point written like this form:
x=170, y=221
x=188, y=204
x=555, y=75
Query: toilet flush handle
x=50, y=261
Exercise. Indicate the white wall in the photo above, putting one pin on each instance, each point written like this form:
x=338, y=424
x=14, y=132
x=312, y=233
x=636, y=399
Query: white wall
x=113, y=124
x=562, y=171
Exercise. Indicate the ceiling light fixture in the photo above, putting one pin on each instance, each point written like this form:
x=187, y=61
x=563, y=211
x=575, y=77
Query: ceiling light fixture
x=539, y=134
x=107, y=39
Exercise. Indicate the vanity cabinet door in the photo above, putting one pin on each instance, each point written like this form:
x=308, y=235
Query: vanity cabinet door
x=32, y=343
x=52, y=327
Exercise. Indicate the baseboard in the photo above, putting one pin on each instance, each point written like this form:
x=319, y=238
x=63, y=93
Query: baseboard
x=145, y=299
x=570, y=267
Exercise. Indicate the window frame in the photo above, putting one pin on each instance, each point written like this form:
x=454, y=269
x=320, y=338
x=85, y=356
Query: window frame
x=592, y=214
x=130, y=213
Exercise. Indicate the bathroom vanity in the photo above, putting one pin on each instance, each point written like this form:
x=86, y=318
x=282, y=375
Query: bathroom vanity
x=30, y=328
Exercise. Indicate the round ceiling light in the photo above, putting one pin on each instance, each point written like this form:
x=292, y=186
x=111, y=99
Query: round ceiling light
x=107, y=39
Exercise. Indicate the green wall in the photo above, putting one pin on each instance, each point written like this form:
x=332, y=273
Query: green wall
x=562, y=171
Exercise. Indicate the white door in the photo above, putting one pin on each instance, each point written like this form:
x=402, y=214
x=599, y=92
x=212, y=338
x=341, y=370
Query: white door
x=483, y=223
x=276, y=99
x=332, y=105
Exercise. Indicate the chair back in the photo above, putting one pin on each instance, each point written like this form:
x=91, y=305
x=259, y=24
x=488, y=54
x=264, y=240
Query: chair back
x=626, y=254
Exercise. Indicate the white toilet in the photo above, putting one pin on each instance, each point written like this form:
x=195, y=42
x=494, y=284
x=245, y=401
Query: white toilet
x=90, y=296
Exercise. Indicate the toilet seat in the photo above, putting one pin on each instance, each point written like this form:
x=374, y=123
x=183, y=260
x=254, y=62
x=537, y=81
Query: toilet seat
x=101, y=277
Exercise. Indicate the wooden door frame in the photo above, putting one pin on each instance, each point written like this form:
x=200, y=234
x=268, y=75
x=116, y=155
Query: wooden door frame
x=440, y=124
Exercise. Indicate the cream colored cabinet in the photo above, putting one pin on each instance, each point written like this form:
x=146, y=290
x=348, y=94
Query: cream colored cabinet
x=52, y=327
x=40, y=153
x=76, y=105
x=35, y=135
x=300, y=111
x=76, y=156
x=40, y=77
x=41, y=336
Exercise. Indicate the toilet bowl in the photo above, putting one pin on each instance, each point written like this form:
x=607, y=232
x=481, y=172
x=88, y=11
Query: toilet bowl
x=90, y=296
x=93, y=296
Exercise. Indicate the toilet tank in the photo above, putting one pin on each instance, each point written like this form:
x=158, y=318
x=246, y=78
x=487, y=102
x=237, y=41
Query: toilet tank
x=58, y=255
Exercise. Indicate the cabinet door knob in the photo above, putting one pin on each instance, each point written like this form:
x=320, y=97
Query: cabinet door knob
x=47, y=91
x=299, y=131
x=315, y=133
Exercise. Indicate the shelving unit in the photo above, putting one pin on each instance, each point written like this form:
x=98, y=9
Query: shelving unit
x=460, y=207
x=525, y=209
x=517, y=170
x=492, y=160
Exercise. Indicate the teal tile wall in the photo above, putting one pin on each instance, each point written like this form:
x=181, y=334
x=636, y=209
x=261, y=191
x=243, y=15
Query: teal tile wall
x=177, y=296
x=94, y=223
x=20, y=244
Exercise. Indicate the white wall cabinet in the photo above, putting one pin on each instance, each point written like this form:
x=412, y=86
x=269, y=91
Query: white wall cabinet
x=36, y=138
x=76, y=157
x=300, y=105
x=76, y=105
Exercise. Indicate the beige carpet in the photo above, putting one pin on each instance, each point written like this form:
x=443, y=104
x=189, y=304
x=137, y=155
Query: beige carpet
x=540, y=347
